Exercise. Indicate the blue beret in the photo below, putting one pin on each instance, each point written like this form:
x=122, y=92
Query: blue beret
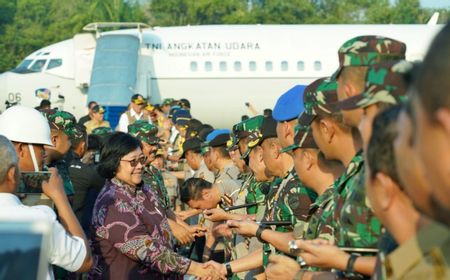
x=215, y=133
x=289, y=105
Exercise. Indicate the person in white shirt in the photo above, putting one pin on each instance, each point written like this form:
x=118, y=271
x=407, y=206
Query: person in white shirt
x=134, y=113
x=29, y=132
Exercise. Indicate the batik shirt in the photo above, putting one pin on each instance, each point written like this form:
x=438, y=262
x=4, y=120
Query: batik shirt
x=131, y=236
x=153, y=178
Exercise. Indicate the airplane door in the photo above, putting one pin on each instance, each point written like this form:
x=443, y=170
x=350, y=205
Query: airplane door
x=114, y=73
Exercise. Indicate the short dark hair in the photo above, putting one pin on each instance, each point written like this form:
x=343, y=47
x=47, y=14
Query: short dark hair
x=94, y=142
x=192, y=189
x=380, y=151
x=115, y=147
x=91, y=103
x=432, y=80
x=222, y=150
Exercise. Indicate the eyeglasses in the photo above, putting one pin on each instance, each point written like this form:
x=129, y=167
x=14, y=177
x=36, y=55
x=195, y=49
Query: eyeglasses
x=134, y=162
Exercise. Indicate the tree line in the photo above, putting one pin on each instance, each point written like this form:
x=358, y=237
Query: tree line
x=27, y=25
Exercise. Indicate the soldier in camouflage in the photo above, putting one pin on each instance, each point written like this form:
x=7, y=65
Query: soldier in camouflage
x=287, y=202
x=61, y=126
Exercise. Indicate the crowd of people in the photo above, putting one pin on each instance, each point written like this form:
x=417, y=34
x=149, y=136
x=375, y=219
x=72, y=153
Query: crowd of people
x=346, y=179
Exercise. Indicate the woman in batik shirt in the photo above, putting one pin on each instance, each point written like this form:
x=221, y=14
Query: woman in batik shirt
x=131, y=236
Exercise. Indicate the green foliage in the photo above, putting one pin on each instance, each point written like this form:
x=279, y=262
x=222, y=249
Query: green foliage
x=27, y=25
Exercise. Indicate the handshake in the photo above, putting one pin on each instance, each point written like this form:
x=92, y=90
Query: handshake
x=208, y=271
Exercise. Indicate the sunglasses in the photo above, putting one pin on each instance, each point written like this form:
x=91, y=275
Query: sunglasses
x=134, y=162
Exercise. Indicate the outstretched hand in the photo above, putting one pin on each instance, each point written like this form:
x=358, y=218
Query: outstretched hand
x=281, y=267
x=243, y=227
x=322, y=253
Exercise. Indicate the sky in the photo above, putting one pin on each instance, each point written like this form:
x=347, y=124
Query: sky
x=435, y=3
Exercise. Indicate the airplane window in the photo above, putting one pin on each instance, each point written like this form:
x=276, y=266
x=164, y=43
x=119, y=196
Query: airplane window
x=300, y=66
x=269, y=65
x=223, y=66
x=194, y=66
x=284, y=66
x=237, y=66
x=38, y=65
x=252, y=66
x=24, y=64
x=53, y=63
x=317, y=65
x=208, y=66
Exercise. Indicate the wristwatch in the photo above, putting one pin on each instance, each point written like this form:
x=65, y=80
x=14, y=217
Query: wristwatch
x=259, y=232
x=229, y=271
x=350, y=270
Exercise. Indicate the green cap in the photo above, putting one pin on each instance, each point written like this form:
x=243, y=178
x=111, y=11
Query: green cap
x=368, y=50
x=60, y=120
x=244, y=129
x=319, y=98
x=267, y=128
x=167, y=101
x=303, y=139
x=385, y=82
x=144, y=131
x=101, y=131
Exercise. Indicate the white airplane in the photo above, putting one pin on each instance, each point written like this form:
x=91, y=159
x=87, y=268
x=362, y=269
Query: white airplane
x=218, y=68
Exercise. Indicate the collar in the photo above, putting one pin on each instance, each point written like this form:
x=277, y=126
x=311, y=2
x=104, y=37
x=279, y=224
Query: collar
x=9, y=199
x=414, y=251
x=134, y=114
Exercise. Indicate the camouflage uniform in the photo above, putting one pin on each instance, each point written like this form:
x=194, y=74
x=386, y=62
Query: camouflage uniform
x=288, y=201
x=384, y=84
x=62, y=121
x=319, y=99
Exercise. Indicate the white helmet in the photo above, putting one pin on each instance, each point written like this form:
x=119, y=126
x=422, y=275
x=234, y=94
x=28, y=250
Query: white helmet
x=25, y=125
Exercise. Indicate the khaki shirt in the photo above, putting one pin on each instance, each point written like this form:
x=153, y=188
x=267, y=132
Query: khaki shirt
x=426, y=256
x=204, y=173
x=91, y=125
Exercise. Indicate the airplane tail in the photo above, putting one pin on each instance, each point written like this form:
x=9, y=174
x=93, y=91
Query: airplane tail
x=434, y=19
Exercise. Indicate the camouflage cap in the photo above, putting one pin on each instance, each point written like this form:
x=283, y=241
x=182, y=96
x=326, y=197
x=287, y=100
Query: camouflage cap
x=144, y=131
x=103, y=130
x=60, y=120
x=267, y=128
x=303, y=139
x=79, y=132
x=367, y=50
x=167, y=101
x=244, y=129
x=319, y=98
x=385, y=82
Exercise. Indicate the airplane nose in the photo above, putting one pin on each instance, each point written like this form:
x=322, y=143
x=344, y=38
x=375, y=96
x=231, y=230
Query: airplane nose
x=4, y=84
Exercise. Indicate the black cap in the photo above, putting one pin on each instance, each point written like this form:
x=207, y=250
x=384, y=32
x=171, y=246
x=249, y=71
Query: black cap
x=219, y=140
x=192, y=144
x=269, y=128
x=203, y=131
